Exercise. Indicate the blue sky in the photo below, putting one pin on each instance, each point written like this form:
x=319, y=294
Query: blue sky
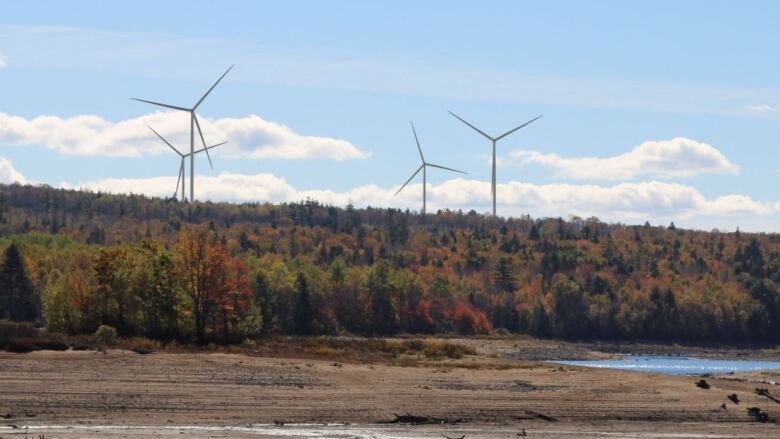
x=322, y=93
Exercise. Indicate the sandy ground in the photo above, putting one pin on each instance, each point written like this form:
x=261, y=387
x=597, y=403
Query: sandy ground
x=123, y=394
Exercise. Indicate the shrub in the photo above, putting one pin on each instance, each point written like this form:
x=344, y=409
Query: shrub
x=105, y=335
x=141, y=345
x=502, y=332
x=248, y=343
x=173, y=346
x=470, y=321
x=441, y=349
x=51, y=345
x=20, y=346
x=10, y=329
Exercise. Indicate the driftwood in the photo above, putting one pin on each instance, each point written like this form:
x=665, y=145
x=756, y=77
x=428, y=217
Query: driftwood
x=414, y=419
x=541, y=416
x=758, y=414
x=454, y=437
x=763, y=391
x=702, y=384
x=733, y=398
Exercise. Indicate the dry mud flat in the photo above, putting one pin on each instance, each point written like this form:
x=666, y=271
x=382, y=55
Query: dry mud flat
x=123, y=394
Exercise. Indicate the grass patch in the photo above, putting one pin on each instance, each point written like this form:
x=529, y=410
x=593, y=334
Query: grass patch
x=354, y=349
x=409, y=351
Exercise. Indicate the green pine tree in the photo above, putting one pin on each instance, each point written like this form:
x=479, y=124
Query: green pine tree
x=18, y=301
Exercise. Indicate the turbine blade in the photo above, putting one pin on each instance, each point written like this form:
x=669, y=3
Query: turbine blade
x=444, y=167
x=472, y=126
x=212, y=88
x=197, y=124
x=178, y=179
x=410, y=179
x=161, y=105
x=418, y=142
x=166, y=142
x=521, y=126
x=209, y=147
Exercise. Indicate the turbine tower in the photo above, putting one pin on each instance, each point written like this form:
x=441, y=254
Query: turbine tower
x=423, y=167
x=494, y=140
x=180, y=179
x=193, y=124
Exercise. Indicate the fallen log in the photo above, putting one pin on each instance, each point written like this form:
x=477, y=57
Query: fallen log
x=541, y=416
x=414, y=419
x=763, y=391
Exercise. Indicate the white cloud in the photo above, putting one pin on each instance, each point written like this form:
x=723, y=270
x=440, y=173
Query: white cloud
x=249, y=136
x=678, y=157
x=652, y=200
x=9, y=174
x=762, y=108
x=3, y=62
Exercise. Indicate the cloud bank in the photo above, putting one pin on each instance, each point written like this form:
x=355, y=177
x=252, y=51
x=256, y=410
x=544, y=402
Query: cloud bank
x=651, y=200
x=676, y=158
x=250, y=136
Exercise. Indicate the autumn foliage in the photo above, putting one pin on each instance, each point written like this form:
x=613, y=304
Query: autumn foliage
x=220, y=272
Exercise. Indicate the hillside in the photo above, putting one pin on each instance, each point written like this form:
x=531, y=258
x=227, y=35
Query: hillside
x=226, y=272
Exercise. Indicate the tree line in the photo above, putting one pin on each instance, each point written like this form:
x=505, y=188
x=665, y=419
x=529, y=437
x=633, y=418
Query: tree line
x=225, y=272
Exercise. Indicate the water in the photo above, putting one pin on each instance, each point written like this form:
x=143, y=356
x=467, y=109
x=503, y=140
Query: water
x=677, y=365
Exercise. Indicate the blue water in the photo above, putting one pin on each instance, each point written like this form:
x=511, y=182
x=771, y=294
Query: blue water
x=677, y=365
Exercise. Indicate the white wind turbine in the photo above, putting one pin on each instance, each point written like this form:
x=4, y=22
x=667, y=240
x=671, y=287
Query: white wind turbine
x=180, y=179
x=423, y=167
x=193, y=124
x=494, y=140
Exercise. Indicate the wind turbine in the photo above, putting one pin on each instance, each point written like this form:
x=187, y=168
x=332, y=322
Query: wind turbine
x=494, y=140
x=193, y=123
x=180, y=179
x=423, y=167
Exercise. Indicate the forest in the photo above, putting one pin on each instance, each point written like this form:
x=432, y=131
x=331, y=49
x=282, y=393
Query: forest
x=223, y=272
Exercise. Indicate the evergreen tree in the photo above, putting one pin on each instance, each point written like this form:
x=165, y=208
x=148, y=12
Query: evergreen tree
x=18, y=301
x=304, y=315
x=505, y=275
x=533, y=232
x=264, y=298
x=384, y=316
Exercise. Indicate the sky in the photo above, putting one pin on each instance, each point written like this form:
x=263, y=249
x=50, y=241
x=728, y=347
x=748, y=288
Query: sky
x=652, y=111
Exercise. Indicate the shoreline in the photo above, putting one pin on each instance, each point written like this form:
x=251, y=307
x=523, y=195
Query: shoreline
x=487, y=394
x=378, y=431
